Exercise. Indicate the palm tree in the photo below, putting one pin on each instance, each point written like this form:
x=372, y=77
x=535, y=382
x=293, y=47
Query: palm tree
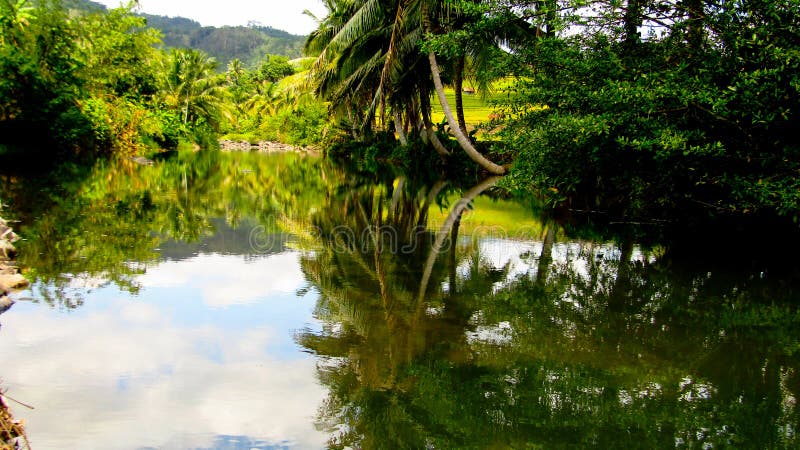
x=368, y=62
x=190, y=85
x=461, y=137
x=264, y=99
x=368, y=59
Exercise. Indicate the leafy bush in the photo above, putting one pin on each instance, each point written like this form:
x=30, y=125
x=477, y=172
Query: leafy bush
x=662, y=128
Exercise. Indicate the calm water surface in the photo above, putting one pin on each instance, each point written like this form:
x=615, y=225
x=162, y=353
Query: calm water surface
x=240, y=301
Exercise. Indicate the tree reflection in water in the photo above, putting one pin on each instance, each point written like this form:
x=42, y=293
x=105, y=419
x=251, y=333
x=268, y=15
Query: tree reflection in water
x=589, y=344
x=106, y=224
x=469, y=329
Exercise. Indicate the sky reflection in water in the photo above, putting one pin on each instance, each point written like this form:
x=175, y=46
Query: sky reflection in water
x=205, y=346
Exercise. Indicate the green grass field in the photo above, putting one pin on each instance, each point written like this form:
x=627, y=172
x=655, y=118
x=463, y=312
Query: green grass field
x=476, y=109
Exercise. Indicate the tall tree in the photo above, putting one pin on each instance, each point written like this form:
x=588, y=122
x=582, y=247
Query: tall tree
x=191, y=85
x=369, y=57
x=461, y=137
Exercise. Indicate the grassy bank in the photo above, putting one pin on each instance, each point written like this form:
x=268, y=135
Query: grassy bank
x=477, y=107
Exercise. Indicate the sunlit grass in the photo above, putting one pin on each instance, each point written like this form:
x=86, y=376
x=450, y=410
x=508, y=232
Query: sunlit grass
x=477, y=108
x=500, y=217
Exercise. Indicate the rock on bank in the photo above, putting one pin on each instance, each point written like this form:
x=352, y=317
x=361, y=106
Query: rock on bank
x=10, y=278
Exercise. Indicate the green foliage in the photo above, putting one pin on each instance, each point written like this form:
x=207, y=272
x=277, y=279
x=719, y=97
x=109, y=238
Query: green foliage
x=122, y=126
x=92, y=81
x=651, y=128
x=647, y=109
x=271, y=103
x=79, y=82
x=190, y=85
x=118, y=53
x=39, y=82
x=273, y=68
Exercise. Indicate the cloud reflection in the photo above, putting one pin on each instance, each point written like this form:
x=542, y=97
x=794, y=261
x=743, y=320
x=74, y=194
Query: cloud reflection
x=223, y=284
x=125, y=372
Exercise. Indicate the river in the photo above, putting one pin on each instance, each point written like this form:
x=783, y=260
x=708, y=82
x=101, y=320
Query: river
x=244, y=301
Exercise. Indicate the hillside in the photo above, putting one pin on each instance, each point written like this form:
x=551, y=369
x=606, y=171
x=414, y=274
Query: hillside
x=247, y=43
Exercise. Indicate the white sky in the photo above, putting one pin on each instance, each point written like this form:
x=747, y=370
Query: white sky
x=284, y=15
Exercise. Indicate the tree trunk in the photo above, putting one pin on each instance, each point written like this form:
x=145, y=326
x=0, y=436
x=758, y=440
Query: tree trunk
x=398, y=127
x=550, y=18
x=453, y=259
x=425, y=108
x=353, y=127
x=458, y=86
x=434, y=138
x=422, y=220
x=632, y=22
x=695, y=33
x=462, y=139
x=546, y=258
x=619, y=295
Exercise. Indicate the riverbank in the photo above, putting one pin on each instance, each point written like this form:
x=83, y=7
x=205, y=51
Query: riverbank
x=10, y=278
x=264, y=147
x=12, y=432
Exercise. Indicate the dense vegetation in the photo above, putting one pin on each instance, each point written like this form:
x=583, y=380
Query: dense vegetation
x=644, y=110
x=639, y=108
x=95, y=82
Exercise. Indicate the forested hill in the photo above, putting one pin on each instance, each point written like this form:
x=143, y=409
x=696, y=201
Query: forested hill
x=247, y=43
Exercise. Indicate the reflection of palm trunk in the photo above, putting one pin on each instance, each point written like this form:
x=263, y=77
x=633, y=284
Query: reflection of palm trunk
x=380, y=274
x=444, y=231
x=422, y=220
x=396, y=198
x=453, y=242
x=622, y=285
x=547, y=255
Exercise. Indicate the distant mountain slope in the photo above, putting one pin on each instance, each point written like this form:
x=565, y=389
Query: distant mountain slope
x=247, y=43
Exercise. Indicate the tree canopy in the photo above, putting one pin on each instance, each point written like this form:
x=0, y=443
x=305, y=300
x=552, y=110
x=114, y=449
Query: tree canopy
x=639, y=108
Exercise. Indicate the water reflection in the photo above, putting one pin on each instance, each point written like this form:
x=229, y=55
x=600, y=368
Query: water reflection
x=123, y=218
x=201, y=357
x=543, y=342
x=179, y=332
x=242, y=301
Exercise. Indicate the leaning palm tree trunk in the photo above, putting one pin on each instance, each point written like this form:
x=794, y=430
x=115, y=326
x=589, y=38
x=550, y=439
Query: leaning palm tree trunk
x=444, y=231
x=458, y=86
x=398, y=127
x=425, y=109
x=437, y=144
x=462, y=139
x=434, y=138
